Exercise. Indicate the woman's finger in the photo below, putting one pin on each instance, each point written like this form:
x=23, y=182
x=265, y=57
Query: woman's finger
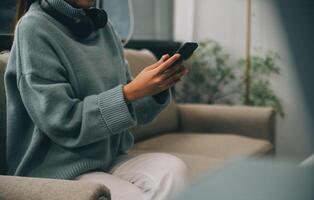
x=165, y=77
x=159, y=62
x=173, y=78
x=173, y=83
x=163, y=59
x=168, y=63
x=171, y=72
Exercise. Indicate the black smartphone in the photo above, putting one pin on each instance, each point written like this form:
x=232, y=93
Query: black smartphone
x=186, y=51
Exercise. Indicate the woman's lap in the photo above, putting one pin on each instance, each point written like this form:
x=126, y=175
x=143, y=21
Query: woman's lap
x=119, y=189
x=147, y=176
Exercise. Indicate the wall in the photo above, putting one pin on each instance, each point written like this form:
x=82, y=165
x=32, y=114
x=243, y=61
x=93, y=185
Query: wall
x=224, y=21
x=153, y=19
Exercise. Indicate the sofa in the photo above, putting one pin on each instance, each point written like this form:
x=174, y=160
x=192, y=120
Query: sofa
x=203, y=136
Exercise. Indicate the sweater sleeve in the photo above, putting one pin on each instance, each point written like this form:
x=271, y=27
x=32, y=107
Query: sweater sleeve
x=147, y=108
x=55, y=107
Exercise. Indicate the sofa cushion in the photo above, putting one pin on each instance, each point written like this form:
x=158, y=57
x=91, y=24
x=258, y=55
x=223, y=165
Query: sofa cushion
x=139, y=59
x=197, y=166
x=166, y=121
x=218, y=146
x=3, y=62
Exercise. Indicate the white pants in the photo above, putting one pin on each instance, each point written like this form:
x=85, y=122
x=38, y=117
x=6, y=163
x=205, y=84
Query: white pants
x=150, y=176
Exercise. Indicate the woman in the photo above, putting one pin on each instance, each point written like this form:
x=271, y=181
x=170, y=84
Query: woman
x=71, y=100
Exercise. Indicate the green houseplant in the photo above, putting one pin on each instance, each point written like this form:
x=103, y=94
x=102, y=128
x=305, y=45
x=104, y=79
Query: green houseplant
x=209, y=74
x=263, y=67
x=213, y=80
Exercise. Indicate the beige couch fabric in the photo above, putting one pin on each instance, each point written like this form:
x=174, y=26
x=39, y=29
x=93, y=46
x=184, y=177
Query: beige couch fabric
x=165, y=122
x=255, y=122
x=197, y=166
x=218, y=146
x=15, y=188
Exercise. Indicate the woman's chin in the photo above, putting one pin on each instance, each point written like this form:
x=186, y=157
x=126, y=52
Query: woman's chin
x=87, y=4
x=82, y=3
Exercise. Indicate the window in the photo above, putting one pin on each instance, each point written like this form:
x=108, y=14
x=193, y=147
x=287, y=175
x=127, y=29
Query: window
x=7, y=13
x=153, y=19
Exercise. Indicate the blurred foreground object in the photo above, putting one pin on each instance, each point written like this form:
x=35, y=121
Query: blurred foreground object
x=258, y=180
x=297, y=17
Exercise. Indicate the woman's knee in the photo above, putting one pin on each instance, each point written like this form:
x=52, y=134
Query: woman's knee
x=156, y=174
x=174, y=175
x=170, y=167
x=175, y=164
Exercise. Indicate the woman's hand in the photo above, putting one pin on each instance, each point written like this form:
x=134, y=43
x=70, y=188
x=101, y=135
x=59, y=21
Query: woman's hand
x=155, y=78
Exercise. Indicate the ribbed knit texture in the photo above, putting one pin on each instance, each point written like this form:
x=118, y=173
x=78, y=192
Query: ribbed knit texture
x=66, y=112
x=66, y=8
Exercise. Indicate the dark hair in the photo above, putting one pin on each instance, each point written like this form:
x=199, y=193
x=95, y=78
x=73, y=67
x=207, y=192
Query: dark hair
x=22, y=7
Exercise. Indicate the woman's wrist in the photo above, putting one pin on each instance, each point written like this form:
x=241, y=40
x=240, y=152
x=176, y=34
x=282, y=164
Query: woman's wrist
x=128, y=93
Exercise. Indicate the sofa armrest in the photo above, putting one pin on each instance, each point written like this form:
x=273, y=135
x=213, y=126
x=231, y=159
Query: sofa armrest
x=20, y=188
x=253, y=122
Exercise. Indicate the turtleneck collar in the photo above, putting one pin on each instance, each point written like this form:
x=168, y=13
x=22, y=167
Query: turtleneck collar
x=68, y=10
x=65, y=8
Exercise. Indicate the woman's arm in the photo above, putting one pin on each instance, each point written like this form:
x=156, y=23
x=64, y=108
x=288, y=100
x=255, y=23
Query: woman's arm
x=53, y=104
x=147, y=108
x=69, y=121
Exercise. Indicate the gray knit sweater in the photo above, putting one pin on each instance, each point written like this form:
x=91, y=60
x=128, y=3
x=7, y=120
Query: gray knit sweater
x=66, y=113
